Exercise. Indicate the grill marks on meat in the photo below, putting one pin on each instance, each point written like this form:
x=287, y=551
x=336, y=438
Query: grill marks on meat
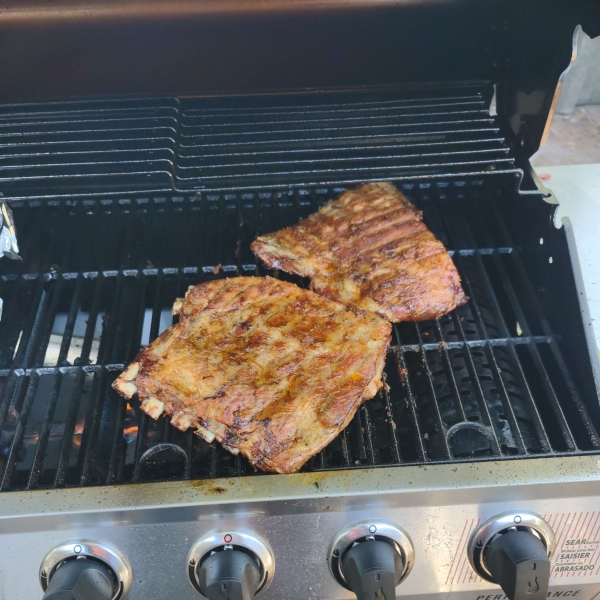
x=265, y=368
x=369, y=249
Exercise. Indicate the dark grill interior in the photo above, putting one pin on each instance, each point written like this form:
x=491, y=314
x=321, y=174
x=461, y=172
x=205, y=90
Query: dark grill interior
x=99, y=275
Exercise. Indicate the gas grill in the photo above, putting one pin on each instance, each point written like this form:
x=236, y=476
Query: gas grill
x=126, y=187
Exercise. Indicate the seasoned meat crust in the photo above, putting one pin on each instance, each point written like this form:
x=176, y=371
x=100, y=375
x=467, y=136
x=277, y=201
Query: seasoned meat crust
x=265, y=368
x=369, y=249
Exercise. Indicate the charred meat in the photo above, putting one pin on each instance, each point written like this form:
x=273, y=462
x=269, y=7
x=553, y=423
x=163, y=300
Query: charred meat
x=369, y=249
x=269, y=370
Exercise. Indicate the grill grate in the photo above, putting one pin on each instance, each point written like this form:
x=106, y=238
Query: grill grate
x=121, y=205
x=178, y=145
x=97, y=280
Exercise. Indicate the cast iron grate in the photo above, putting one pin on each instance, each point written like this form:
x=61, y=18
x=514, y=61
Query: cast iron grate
x=106, y=147
x=97, y=281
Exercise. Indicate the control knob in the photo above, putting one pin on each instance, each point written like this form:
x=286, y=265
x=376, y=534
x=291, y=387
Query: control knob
x=514, y=551
x=81, y=579
x=371, y=559
x=231, y=566
x=85, y=570
x=229, y=575
x=372, y=569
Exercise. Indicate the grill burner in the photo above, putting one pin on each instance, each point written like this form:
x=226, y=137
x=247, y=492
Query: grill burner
x=100, y=272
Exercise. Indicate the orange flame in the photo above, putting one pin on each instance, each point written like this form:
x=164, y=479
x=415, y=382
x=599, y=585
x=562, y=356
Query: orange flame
x=130, y=432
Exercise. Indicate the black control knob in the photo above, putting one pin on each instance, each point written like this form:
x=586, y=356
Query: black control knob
x=81, y=579
x=519, y=563
x=372, y=569
x=229, y=575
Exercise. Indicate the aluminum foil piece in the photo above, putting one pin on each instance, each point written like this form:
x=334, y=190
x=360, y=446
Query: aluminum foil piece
x=8, y=233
